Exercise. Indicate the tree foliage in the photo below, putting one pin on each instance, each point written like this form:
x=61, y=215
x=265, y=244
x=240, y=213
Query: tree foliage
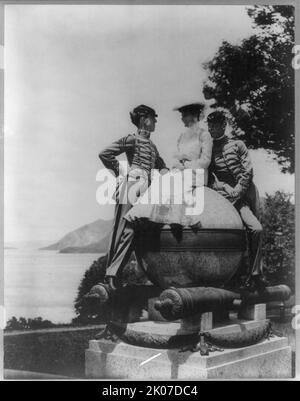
x=254, y=81
x=93, y=275
x=28, y=324
x=278, y=221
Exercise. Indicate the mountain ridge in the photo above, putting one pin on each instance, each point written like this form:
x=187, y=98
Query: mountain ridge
x=89, y=238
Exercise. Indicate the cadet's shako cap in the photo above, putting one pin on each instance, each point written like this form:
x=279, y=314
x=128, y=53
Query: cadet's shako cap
x=193, y=108
x=216, y=117
x=141, y=111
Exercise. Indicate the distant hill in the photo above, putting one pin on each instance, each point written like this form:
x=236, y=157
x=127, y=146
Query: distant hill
x=96, y=247
x=91, y=237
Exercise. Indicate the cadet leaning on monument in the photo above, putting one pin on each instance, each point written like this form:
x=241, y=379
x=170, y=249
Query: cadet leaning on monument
x=231, y=174
x=143, y=156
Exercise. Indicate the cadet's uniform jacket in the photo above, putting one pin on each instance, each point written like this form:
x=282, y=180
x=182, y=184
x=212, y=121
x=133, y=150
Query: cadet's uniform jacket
x=140, y=152
x=231, y=165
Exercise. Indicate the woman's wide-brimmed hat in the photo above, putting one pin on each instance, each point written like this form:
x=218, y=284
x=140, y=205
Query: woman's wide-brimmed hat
x=141, y=111
x=193, y=108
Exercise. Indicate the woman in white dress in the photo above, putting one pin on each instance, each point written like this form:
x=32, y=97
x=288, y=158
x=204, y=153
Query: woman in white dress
x=194, y=149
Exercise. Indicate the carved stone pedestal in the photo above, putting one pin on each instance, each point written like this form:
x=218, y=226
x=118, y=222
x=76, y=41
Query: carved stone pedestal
x=270, y=358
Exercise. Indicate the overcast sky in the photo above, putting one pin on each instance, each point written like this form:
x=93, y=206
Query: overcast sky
x=73, y=73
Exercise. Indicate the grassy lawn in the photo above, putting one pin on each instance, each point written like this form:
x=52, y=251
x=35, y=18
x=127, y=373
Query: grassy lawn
x=60, y=353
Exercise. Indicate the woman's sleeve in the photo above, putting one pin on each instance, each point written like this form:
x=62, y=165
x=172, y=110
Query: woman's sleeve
x=176, y=156
x=205, y=153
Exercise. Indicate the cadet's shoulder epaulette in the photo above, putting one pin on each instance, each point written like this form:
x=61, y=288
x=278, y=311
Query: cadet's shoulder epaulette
x=238, y=141
x=130, y=139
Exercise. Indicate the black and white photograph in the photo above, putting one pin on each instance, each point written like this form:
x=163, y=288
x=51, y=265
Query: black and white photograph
x=148, y=163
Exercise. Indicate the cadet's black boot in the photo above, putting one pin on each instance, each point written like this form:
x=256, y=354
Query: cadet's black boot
x=248, y=285
x=254, y=283
x=260, y=283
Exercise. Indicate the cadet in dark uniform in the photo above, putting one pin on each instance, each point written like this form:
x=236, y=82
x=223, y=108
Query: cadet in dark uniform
x=142, y=156
x=231, y=174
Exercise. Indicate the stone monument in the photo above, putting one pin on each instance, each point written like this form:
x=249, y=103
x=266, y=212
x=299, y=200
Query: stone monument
x=187, y=323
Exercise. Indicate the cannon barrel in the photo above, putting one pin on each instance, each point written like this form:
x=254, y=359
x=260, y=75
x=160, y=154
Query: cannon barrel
x=270, y=294
x=177, y=303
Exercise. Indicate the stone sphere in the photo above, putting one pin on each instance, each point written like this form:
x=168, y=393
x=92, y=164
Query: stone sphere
x=206, y=255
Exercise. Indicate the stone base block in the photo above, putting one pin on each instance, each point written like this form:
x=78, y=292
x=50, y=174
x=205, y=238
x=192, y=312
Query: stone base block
x=253, y=312
x=267, y=359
